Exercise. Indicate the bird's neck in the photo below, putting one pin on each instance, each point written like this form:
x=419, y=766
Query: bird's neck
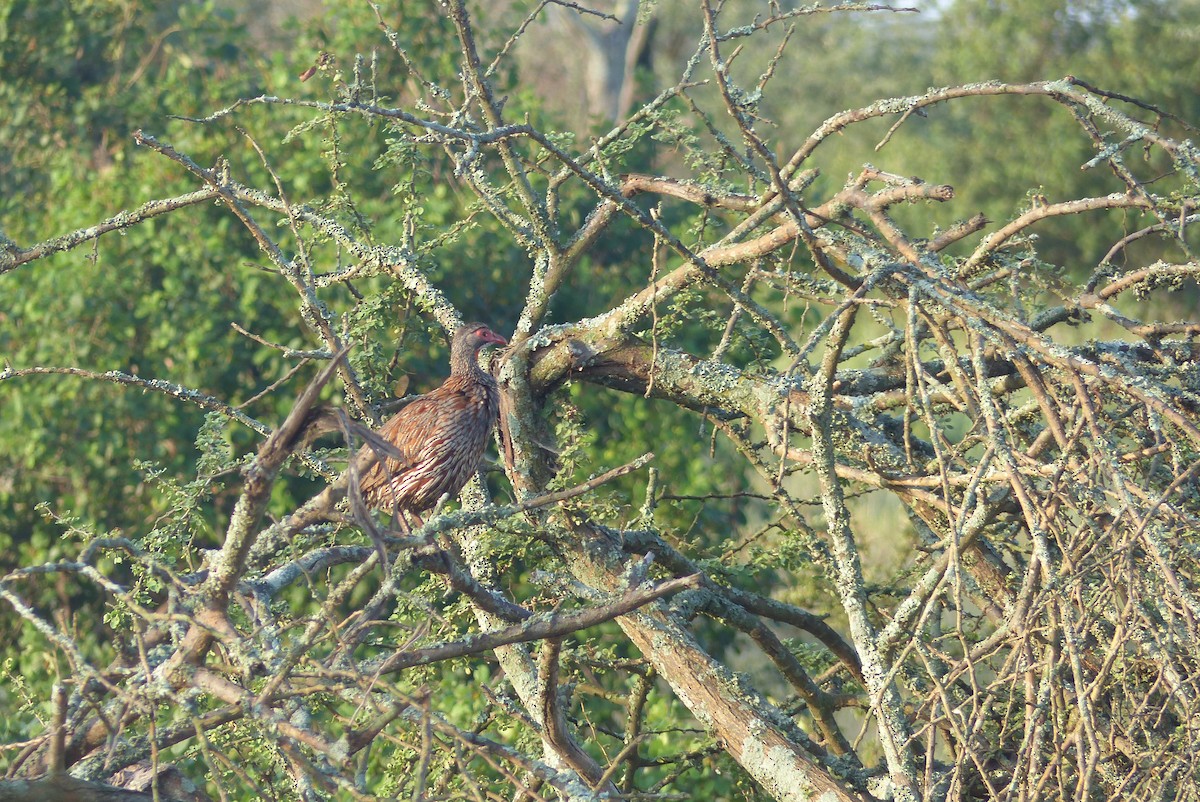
x=464, y=364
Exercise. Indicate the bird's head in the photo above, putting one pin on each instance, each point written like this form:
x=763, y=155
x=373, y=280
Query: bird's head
x=468, y=341
x=476, y=336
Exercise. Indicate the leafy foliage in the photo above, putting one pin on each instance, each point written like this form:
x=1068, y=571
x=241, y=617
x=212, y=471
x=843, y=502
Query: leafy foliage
x=847, y=375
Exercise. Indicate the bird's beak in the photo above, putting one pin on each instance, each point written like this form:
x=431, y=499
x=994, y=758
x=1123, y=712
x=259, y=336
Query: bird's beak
x=496, y=339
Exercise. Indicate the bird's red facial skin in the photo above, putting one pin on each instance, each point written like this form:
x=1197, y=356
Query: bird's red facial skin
x=489, y=336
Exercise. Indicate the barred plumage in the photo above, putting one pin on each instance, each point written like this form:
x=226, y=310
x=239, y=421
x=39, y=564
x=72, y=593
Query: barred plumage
x=441, y=435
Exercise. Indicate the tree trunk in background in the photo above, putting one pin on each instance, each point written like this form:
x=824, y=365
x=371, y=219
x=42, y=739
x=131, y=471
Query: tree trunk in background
x=611, y=54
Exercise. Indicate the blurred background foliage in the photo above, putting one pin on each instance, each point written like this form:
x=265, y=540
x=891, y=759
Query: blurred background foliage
x=77, y=77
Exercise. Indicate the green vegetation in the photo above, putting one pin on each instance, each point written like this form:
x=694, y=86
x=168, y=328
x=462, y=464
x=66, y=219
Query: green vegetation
x=158, y=300
x=141, y=370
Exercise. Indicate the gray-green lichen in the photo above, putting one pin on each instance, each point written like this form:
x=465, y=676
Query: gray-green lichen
x=775, y=768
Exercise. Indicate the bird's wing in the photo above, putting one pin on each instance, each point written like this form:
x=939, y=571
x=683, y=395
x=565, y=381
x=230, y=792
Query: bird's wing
x=406, y=431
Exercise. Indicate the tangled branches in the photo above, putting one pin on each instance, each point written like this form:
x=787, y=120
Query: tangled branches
x=1035, y=426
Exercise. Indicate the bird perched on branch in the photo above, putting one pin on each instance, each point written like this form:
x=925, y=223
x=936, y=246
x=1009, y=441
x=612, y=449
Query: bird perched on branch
x=441, y=435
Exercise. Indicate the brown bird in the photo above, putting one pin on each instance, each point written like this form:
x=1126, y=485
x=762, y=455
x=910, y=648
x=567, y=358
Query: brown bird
x=441, y=435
